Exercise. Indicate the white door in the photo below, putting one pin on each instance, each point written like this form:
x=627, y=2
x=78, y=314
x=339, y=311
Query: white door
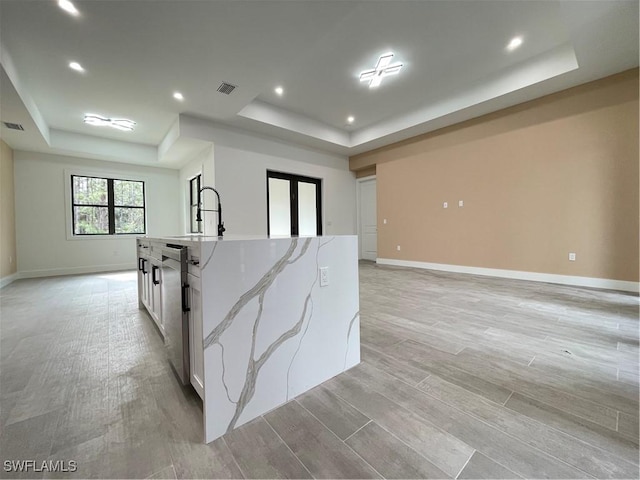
x=368, y=225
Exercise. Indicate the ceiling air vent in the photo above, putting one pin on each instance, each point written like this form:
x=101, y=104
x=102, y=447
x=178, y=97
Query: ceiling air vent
x=226, y=88
x=13, y=126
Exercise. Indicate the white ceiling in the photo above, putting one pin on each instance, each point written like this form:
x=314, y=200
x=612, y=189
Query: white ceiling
x=137, y=53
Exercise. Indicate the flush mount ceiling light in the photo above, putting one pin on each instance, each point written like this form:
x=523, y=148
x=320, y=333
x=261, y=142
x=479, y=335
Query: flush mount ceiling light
x=76, y=66
x=351, y=119
x=68, y=7
x=178, y=96
x=384, y=68
x=117, y=123
x=514, y=43
x=279, y=90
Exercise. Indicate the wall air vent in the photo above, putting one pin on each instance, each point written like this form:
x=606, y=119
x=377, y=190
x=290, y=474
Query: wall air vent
x=13, y=126
x=226, y=88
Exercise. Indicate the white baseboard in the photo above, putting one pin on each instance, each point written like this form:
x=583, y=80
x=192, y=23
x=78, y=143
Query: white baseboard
x=519, y=275
x=4, y=281
x=54, y=272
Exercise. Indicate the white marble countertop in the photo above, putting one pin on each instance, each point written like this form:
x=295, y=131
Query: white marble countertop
x=197, y=239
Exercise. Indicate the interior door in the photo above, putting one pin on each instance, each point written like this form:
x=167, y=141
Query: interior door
x=294, y=205
x=368, y=225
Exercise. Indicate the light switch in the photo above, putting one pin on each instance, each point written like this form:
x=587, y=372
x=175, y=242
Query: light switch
x=398, y=247
x=445, y=205
x=384, y=221
x=460, y=203
x=324, y=276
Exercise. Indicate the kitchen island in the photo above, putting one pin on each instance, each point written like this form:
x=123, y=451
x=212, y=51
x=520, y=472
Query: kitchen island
x=268, y=318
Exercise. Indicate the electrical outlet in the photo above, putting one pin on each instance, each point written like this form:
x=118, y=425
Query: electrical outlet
x=460, y=203
x=572, y=257
x=445, y=205
x=398, y=247
x=384, y=221
x=324, y=276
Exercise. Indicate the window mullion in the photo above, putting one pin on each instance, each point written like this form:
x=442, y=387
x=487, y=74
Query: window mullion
x=111, y=207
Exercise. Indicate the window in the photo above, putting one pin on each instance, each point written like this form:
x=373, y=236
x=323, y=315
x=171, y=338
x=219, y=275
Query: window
x=194, y=188
x=294, y=205
x=106, y=206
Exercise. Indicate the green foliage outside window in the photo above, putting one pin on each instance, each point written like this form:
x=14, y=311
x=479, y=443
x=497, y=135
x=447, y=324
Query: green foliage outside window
x=104, y=206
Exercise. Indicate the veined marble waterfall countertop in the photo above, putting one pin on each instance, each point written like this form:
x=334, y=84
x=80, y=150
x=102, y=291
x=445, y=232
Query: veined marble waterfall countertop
x=198, y=238
x=270, y=330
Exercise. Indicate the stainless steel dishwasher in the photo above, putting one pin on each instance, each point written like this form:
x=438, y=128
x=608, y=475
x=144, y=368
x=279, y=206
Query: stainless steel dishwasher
x=175, y=312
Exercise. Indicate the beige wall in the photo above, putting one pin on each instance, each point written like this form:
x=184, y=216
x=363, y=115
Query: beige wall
x=539, y=180
x=7, y=213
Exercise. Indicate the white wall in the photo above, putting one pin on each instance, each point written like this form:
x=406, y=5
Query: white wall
x=41, y=217
x=241, y=164
x=203, y=164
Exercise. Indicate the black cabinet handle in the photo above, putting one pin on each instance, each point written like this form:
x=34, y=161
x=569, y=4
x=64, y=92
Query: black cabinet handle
x=155, y=281
x=185, y=289
x=144, y=262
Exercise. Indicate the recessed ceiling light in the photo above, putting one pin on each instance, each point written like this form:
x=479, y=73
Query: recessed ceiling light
x=76, y=66
x=68, y=7
x=351, y=119
x=117, y=123
x=178, y=96
x=383, y=69
x=514, y=43
x=279, y=90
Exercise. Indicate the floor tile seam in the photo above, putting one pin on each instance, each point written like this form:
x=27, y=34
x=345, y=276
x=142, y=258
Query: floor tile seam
x=430, y=424
x=568, y=433
x=432, y=335
x=549, y=349
x=423, y=380
x=508, y=398
x=622, y=357
x=155, y=473
x=356, y=430
x=582, y=396
x=346, y=444
x=465, y=463
x=549, y=335
x=544, y=384
x=287, y=445
x=590, y=363
x=235, y=460
x=541, y=452
x=384, y=354
x=420, y=454
x=454, y=367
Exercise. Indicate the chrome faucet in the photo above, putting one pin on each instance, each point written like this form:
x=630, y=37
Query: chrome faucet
x=221, y=228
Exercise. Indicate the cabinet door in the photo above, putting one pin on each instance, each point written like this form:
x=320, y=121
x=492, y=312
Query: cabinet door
x=196, y=352
x=145, y=283
x=141, y=284
x=155, y=280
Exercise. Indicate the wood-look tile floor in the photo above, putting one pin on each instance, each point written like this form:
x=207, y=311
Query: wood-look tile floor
x=461, y=377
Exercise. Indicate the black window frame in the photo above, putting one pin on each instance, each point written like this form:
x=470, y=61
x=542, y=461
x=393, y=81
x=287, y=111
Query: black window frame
x=111, y=207
x=193, y=203
x=293, y=199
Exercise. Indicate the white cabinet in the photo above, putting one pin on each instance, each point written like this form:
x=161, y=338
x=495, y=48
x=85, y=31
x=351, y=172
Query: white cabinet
x=155, y=292
x=196, y=352
x=143, y=274
x=149, y=280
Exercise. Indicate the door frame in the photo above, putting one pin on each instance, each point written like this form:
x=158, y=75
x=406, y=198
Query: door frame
x=294, y=179
x=359, y=182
